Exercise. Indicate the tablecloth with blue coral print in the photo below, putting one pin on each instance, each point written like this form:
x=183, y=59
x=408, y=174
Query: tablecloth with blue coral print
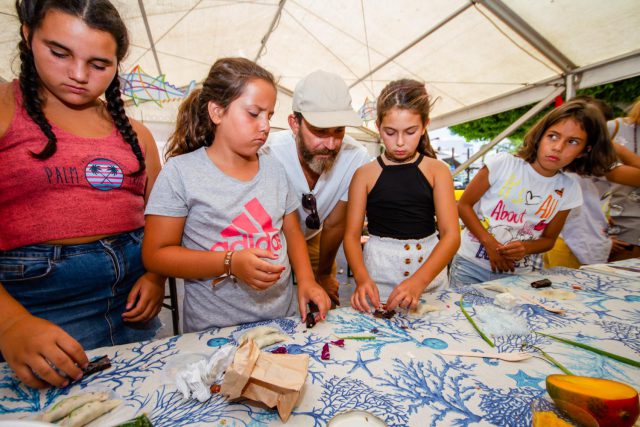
x=401, y=375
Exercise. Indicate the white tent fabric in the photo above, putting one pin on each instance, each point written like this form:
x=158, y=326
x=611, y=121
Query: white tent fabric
x=477, y=57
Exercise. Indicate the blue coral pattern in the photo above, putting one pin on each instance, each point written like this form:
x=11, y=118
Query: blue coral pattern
x=401, y=375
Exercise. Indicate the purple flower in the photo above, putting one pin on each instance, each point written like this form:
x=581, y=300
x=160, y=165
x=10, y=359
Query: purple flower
x=325, y=352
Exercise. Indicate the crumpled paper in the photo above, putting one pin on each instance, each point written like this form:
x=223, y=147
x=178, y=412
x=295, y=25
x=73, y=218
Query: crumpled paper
x=506, y=300
x=273, y=379
x=196, y=379
x=263, y=336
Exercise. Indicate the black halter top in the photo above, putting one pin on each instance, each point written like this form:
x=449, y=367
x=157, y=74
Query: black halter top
x=400, y=204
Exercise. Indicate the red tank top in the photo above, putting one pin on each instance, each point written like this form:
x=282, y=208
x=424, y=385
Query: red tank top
x=82, y=190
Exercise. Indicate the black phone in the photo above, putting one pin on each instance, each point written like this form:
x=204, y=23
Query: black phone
x=543, y=283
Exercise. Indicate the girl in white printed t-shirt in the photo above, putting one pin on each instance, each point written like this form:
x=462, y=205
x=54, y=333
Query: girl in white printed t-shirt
x=515, y=206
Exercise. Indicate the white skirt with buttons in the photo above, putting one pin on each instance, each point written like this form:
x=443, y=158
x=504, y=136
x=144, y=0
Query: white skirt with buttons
x=390, y=261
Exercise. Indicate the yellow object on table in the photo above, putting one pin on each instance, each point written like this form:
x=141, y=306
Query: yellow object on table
x=548, y=419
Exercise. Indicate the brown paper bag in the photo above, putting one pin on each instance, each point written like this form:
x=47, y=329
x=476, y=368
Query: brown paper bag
x=273, y=379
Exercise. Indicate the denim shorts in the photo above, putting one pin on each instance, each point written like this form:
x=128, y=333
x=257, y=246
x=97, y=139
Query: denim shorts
x=464, y=272
x=81, y=288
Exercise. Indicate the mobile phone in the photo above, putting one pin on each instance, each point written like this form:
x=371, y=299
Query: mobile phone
x=543, y=283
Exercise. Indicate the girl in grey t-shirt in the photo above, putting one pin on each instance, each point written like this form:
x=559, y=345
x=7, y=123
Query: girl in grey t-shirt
x=224, y=218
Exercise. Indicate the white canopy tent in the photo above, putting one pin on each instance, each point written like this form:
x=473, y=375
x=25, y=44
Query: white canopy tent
x=477, y=57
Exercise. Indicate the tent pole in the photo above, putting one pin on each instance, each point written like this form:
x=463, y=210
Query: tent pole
x=276, y=18
x=151, y=43
x=517, y=24
x=569, y=83
x=413, y=43
x=509, y=130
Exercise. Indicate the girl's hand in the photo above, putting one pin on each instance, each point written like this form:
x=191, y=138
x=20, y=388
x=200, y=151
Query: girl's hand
x=310, y=291
x=364, y=290
x=405, y=295
x=145, y=299
x=248, y=266
x=619, y=245
x=330, y=285
x=31, y=345
x=498, y=262
x=513, y=251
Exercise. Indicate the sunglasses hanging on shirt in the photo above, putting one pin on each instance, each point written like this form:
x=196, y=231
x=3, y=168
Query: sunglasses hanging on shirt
x=309, y=203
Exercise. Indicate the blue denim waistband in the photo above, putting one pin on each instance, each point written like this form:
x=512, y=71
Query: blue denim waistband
x=58, y=251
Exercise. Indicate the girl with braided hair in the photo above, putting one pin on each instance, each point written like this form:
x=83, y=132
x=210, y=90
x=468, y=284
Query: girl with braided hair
x=75, y=175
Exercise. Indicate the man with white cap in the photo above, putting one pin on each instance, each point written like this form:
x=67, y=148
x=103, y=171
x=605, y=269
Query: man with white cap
x=320, y=160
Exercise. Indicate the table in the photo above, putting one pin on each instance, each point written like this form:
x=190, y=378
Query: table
x=400, y=376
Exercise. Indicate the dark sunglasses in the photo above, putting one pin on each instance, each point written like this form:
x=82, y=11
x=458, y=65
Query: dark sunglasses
x=309, y=203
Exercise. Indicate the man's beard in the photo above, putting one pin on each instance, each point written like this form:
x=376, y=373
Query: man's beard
x=309, y=157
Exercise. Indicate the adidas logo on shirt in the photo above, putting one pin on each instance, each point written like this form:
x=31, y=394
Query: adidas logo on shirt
x=253, y=228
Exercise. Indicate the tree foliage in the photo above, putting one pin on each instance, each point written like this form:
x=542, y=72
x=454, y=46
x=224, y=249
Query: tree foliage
x=618, y=95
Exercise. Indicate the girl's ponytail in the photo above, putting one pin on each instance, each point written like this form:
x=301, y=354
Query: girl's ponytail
x=194, y=128
x=424, y=146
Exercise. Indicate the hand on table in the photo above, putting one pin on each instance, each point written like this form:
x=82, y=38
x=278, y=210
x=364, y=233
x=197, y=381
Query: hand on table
x=31, y=345
x=312, y=292
x=405, y=295
x=618, y=245
x=248, y=266
x=365, y=290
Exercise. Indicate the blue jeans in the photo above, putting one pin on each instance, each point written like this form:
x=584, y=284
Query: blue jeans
x=81, y=288
x=464, y=272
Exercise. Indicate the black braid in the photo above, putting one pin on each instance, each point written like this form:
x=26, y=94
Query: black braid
x=29, y=85
x=115, y=106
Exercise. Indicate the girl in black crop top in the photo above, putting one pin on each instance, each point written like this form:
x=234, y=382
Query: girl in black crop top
x=404, y=195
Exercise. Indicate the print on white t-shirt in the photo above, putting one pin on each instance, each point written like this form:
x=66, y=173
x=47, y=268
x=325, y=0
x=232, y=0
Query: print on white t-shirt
x=518, y=205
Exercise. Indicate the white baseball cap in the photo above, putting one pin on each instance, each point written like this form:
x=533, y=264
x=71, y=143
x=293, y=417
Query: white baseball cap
x=323, y=100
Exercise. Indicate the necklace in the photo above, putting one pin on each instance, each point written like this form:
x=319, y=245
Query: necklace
x=386, y=156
